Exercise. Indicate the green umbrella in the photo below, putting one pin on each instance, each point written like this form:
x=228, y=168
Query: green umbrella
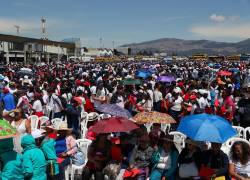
x=6, y=130
x=131, y=81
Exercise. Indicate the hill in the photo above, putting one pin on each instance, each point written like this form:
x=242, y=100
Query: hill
x=188, y=47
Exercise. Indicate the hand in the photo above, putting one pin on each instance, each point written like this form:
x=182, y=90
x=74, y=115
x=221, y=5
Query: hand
x=163, y=178
x=63, y=154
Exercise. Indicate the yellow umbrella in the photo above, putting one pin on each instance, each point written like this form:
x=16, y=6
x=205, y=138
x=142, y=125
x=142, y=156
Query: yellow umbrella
x=153, y=117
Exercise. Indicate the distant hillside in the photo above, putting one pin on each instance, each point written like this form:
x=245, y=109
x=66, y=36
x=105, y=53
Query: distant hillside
x=188, y=47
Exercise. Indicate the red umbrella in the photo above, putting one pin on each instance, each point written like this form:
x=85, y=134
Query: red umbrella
x=114, y=124
x=224, y=73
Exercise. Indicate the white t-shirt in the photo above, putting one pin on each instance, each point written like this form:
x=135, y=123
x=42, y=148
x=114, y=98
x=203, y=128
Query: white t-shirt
x=37, y=106
x=203, y=103
x=157, y=96
x=177, y=104
x=164, y=161
x=240, y=168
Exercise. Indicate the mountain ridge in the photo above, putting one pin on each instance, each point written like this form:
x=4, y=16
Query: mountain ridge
x=188, y=47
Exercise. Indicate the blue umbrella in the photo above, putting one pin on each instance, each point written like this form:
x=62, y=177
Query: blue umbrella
x=206, y=127
x=113, y=110
x=143, y=73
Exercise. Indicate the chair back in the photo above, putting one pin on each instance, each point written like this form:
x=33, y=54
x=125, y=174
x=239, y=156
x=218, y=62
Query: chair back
x=240, y=131
x=83, y=145
x=43, y=121
x=179, y=139
x=34, y=120
x=247, y=133
x=56, y=122
x=232, y=140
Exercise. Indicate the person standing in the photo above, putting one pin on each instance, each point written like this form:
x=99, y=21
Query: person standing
x=157, y=98
x=244, y=108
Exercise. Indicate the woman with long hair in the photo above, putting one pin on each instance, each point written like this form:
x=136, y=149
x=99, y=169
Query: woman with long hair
x=239, y=165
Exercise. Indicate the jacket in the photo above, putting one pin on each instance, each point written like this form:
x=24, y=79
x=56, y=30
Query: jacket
x=170, y=173
x=48, y=148
x=11, y=161
x=34, y=163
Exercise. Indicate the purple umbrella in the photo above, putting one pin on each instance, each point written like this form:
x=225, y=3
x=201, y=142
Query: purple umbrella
x=166, y=79
x=114, y=110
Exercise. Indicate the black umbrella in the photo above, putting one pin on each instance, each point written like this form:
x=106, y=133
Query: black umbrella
x=25, y=73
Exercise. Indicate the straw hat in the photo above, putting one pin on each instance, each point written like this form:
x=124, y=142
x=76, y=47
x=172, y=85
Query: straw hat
x=93, y=116
x=62, y=127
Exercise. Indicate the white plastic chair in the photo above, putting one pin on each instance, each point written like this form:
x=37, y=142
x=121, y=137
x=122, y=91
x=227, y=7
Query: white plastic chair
x=247, y=133
x=34, y=120
x=240, y=131
x=148, y=126
x=56, y=122
x=179, y=139
x=84, y=115
x=83, y=129
x=83, y=145
x=165, y=128
x=228, y=144
x=103, y=116
x=43, y=120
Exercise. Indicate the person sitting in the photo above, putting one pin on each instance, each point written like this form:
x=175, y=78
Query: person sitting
x=189, y=160
x=98, y=156
x=217, y=160
x=11, y=161
x=239, y=165
x=34, y=163
x=65, y=146
x=155, y=134
x=140, y=157
x=165, y=160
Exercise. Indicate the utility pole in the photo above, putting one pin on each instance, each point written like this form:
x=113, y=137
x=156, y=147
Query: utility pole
x=100, y=42
x=17, y=29
x=43, y=20
x=113, y=43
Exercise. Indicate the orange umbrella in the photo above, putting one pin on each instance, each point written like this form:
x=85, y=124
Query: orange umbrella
x=153, y=117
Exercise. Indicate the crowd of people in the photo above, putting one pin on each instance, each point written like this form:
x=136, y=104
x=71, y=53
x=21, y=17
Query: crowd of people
x=65, y=90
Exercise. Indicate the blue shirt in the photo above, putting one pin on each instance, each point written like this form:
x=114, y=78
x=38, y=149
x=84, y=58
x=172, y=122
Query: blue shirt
x=9, y=102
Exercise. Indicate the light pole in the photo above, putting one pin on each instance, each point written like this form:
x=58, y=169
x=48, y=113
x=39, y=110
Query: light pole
x=100, y=42
x=17, y=29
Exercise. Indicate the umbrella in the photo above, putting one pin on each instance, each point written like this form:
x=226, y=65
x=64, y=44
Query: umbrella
x=113, y=110
x=131, y=81
x=6, y=130
x=25, y=73
x=206, y=127
x=166, y=79
x=224, y=73
x=153, y=117
x=143, y=74
x=114, y=124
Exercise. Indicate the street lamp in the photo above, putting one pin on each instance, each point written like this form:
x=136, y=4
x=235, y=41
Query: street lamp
x=17, y=29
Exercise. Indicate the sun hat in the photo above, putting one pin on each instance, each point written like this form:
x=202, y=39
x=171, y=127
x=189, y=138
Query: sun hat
x=93, y=116
x=63, y=127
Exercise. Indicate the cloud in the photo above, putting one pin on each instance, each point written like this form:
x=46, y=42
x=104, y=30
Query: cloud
x=217, y=18
x=239, y=31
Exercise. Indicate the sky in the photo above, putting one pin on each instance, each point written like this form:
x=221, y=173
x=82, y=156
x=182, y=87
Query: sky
x=128, y=21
